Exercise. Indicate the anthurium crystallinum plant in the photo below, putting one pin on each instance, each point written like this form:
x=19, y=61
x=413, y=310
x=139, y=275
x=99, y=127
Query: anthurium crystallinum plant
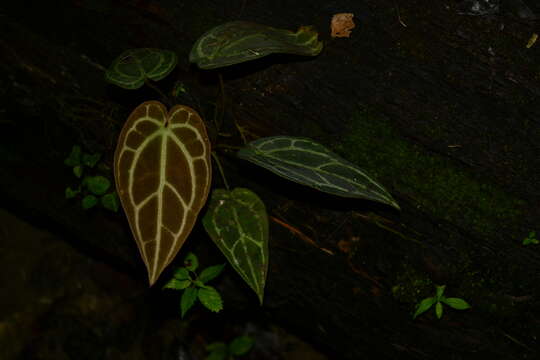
x=162, y=159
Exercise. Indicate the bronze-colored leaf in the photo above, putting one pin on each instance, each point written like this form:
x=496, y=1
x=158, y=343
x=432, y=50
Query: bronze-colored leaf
x=162, y=171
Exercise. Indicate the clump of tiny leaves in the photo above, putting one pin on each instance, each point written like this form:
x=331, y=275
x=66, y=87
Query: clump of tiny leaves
x=438, y=300
x=531, y=239
x=194, y=286
x=240, y=345
x=93, y=189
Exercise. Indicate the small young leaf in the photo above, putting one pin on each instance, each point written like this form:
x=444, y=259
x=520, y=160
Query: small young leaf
x=191, y=262
x=176, y=284
x=98, y=185
x=110, y=201
x=188, y=299
x=218, y=351
x=438, y=310
x=89, y=201
x=439, y=291
x=456, y=303
x=309, y=163
x=210, y=298
x=74, y=157
x=90, y=160
x=241, y=345
x=134, y=66
x=71, y=193
x=182, y=274
x=78, y=170
x=210, y=273
x=424, y=306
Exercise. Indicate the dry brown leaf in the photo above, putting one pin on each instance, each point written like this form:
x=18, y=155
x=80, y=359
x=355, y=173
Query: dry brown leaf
x=342, y=24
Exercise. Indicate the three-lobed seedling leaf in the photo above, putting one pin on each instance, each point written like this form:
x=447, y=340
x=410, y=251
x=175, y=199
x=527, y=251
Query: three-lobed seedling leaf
x=194, y=286
x=438, y=300
x=239, y=346
x=92, y=188
x=531, y=239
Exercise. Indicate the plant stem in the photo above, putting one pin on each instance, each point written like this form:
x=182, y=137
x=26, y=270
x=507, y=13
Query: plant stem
x=218, y=163
x=165, y=98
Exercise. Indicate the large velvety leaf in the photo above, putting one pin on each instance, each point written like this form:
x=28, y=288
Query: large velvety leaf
x=309, y=163
x=238, y=41
x=162, y=170
x=134, y=66
x=237, y=222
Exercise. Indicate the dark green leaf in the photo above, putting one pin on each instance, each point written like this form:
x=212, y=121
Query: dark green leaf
x=210, y=273
x=218, y=351
x=133, y=67
x=241, y=345
x=176, y=284
x=188, y=299
x=438, y=310
x=74, y=157
x=238, y=41
x=110, y=201
x=97, y=185
x=89, y=201
x=90, y=160
x=210, y=298
x=71, y=193
x=182, y=274
x=191, y=262
x=424, y=306
x=456, y=303
x=237, y=223
x=309, y=163
x=78, y=170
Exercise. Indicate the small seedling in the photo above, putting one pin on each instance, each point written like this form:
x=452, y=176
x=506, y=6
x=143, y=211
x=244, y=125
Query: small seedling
x=438, y=300
x=531, y=239
x=241, y=345
x=194, y=286
x=93, y=189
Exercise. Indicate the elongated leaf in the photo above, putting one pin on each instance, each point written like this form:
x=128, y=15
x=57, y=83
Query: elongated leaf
x=133, y=66
x=438, y=310
x=424, y=306
x=162, y=172
x=238, y=41
x=456, y=303
x=188, y=299
x=309, y=163
x=237, y=222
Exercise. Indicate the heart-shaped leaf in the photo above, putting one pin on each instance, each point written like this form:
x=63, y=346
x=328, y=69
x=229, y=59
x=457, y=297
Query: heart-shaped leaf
x=238, y=41
x=162, y=171
x=134, y=66
x=309, y=163
x=237, y=223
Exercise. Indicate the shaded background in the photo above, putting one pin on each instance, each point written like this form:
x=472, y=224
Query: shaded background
x=438, y=104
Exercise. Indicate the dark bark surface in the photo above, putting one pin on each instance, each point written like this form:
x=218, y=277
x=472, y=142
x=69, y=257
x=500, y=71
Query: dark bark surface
x=441, y=108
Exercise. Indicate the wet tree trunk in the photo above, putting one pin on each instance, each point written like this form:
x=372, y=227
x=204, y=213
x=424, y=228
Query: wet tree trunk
x=441, y=108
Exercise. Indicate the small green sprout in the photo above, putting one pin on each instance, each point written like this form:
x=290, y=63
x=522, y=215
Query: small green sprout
x=92, y=189
x=241, y=345
x=194, y=286
x=531, y=239
x=438, y=300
